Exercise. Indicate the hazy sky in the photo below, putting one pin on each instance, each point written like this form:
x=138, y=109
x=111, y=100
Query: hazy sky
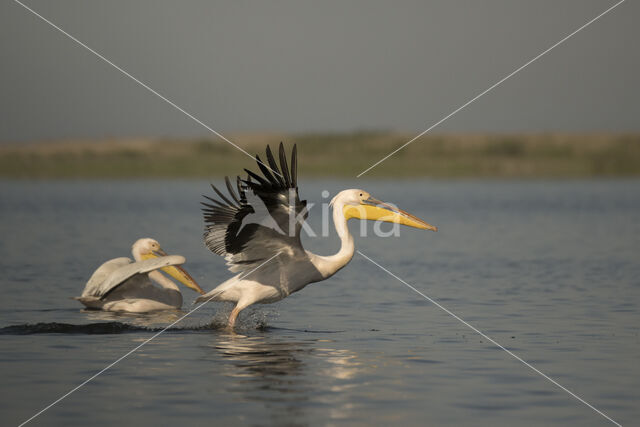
x=316, y=66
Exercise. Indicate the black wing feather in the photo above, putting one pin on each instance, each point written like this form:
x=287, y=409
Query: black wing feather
x=274, y=166
x=219, y=204
x=284, y=167
x=219, y=193
x=257, y=177
x=265, y=171
x=294, y=167
x=243, y=199
x=230, y=190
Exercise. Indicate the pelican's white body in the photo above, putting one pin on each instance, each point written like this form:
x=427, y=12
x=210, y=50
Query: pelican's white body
x=126, y=285
x=273, y=280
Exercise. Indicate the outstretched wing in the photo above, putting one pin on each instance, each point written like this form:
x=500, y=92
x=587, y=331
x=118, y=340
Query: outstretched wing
x=265, y=216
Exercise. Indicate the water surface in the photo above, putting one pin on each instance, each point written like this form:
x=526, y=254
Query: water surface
x=548, y=269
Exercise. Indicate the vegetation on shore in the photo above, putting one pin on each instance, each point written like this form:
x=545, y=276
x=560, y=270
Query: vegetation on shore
x=438, y=156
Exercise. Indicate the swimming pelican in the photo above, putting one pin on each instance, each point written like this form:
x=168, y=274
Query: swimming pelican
x=122, y=285
x=267, y=253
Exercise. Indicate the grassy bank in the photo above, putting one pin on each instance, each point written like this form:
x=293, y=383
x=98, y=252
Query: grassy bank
x=445, y=156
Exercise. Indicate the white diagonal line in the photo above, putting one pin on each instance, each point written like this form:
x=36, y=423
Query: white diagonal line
x=132, y=351
x=144, y=85
x=497, y=344
x=493, y=86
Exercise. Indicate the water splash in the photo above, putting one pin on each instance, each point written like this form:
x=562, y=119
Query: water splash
x=95, y=328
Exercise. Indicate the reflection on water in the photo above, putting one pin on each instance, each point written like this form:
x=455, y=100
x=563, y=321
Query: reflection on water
x=344, y=364
x=148, y=320
x=276, y=373
x=257, y=357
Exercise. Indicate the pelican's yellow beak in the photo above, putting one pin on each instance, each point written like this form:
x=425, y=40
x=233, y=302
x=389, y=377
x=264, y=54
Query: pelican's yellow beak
x=376, y=210
x=176, y=271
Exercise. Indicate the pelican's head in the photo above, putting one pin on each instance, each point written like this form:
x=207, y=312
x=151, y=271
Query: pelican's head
x=149, y=248
x=359, y=204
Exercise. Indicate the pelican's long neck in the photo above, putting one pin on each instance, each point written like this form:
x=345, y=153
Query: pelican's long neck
x=329, y=265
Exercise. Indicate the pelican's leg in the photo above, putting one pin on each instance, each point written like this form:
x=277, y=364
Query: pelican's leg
x=233, y=316
x=241, y=305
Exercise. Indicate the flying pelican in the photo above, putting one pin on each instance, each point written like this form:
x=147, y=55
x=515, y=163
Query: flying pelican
x=122, y=285
x=270, y=260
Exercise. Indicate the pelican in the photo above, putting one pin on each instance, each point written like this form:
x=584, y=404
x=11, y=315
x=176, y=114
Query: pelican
x=122, y=285
x=267, y=253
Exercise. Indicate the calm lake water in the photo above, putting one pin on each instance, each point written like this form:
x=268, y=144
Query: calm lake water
x=548, y=269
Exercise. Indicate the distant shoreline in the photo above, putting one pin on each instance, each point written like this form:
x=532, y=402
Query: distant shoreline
x=550, y=155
